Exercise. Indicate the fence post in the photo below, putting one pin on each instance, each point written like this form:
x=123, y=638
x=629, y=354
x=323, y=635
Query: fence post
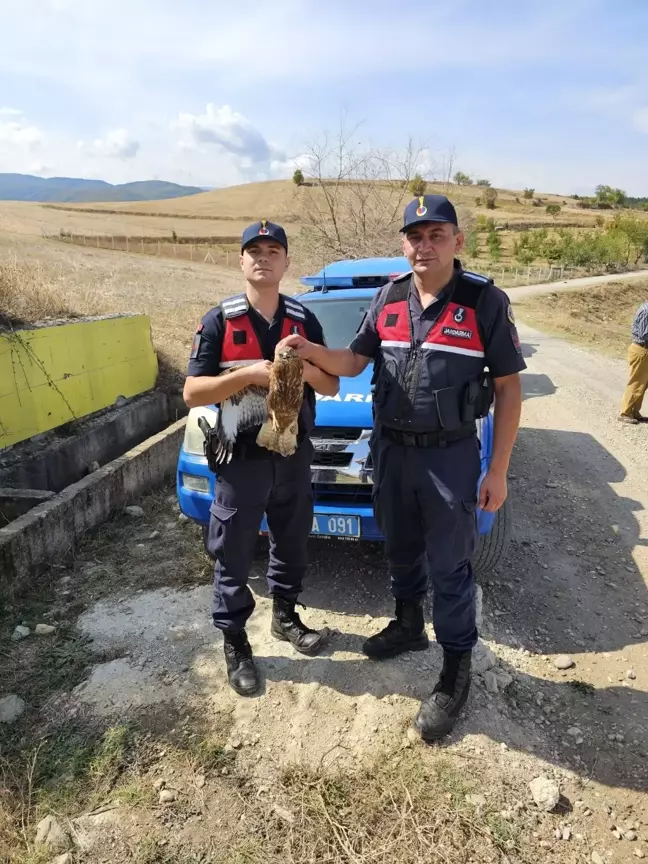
x=516, y=275
x=191, y=251
x=158, y=252
x=127, y=242
x=142, y=244
x=175, y=251
x=112, y=237
x=529, y=275
x=227, y=257
x=84, y=240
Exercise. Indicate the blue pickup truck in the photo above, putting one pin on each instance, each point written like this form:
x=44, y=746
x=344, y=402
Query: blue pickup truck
x=339, y=295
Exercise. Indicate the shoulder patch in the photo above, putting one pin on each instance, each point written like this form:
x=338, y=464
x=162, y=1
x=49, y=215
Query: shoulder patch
x=233, y=307
x=510, y=315
x=476, y=277
x=294, y=309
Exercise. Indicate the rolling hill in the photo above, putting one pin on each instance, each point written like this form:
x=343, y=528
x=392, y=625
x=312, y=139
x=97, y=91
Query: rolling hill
x=25, y=187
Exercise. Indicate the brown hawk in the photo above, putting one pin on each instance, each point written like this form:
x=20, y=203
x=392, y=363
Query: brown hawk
x=276, y=410
x=285, y=395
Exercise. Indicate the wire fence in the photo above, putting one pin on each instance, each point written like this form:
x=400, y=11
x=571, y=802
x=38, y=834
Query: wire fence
x=224, y=251
x=205, y=250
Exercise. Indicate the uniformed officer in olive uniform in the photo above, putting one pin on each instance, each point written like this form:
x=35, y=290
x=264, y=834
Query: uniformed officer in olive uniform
x=243, y=331
x=433, y=333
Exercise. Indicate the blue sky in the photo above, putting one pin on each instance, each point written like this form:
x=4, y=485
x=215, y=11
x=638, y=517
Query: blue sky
x=546, y=94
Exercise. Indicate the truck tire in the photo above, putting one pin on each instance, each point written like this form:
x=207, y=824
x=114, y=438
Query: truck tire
x=492, y=547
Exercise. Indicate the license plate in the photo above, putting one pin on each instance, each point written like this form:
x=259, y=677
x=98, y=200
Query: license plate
x=328, y=525
x=334, y=525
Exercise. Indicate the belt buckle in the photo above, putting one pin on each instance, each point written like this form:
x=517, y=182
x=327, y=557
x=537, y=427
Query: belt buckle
x=409, y=439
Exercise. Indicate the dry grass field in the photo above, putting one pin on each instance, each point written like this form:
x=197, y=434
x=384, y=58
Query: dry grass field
x=281, y=199
x=590, y=317
x=43, y=278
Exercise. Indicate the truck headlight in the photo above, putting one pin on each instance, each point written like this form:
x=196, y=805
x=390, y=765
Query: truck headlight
x=195, y=483
x=194, y=440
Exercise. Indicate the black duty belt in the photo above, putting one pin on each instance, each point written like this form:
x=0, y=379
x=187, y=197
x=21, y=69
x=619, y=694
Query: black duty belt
x=427, y=439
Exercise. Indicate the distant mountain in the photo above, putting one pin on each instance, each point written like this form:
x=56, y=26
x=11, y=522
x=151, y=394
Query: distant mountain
x=25, y=187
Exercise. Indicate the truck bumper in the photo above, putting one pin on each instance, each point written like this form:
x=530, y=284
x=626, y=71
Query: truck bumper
x=195, y=492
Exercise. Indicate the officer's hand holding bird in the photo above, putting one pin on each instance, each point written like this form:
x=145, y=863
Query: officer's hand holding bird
x=299, y=344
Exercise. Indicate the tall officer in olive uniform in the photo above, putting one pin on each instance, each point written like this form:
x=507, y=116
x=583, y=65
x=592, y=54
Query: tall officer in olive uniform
x=432, y=333
x=244, y=331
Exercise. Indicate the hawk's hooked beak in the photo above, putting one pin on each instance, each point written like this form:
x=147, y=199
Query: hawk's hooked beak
x=286, y=353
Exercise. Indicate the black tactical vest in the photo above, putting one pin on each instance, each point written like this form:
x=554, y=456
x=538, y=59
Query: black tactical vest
x=439, y=384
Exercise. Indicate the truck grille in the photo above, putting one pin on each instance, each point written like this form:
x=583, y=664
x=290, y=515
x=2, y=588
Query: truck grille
x=343, y=493
x=324, y=459
x=341, y=459
x=343, y=434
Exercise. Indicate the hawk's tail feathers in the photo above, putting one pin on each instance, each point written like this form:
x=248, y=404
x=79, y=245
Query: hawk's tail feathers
x=284, y=443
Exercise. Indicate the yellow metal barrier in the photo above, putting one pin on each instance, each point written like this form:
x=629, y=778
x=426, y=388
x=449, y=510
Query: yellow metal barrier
x=53, y=374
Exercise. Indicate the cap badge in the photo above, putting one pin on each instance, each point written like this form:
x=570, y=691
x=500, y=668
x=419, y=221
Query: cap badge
x=263, y=230
x=421, y=209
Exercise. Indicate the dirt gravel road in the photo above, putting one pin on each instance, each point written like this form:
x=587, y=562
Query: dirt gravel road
x=573, y=284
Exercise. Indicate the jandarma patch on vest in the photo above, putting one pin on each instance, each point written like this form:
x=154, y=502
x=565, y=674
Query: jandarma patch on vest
x=392, y=319
x=239, y=337
x=510, y=315
x=454, y=331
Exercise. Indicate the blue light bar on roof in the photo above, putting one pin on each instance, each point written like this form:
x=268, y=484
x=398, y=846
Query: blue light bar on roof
x=354, y=273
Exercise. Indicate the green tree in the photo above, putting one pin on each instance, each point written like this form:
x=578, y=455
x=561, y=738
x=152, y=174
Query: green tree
x=494, y=243
x=472, y=244
x=529, y=193
x=462, y=179
x=490, y=197
x=298, y=177
x=417, y=185
x=483, y=182
x=553, y=209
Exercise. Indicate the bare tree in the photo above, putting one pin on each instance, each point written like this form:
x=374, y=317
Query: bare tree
x=351, y=205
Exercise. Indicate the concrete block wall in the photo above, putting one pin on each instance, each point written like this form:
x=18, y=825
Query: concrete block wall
x=52, y=374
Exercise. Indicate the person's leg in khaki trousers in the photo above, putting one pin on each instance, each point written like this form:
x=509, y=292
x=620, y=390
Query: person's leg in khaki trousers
x=637, y=383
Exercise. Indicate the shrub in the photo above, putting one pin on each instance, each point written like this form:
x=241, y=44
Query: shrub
x=529, y=193
x=298, y=177
x=490, y=197
x=417, y=186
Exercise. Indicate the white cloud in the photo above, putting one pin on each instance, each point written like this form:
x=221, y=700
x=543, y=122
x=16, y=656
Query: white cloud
x=19, y=133
x=10, y=112
x=117, y=144
x=224, y=127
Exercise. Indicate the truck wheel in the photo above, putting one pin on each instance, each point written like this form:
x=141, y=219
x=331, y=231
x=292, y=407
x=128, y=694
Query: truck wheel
x=492, y=546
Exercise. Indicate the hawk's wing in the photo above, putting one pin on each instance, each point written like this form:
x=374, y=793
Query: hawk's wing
x=243, y=410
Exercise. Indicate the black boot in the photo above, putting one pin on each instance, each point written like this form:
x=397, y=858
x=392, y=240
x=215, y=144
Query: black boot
x=241, y=671
x=437, y=715
x=406, y=633
x=288, y=627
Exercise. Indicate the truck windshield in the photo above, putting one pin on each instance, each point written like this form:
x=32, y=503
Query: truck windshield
x=339, y=319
